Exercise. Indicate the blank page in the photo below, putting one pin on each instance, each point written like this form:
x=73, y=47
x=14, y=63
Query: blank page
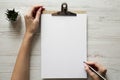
x=63, y=46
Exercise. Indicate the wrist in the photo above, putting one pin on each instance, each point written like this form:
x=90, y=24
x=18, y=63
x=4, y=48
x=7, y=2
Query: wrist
x=28, y=35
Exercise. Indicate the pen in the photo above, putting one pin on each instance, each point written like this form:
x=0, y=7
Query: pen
x=95, y=71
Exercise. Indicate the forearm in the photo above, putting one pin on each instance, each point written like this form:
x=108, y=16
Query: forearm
x=21, y=69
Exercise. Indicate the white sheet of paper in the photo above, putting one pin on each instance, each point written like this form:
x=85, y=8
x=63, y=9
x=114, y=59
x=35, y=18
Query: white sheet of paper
x=63, y=46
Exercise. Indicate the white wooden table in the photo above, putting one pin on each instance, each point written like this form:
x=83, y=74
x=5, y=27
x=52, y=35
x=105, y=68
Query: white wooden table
x=103, y=34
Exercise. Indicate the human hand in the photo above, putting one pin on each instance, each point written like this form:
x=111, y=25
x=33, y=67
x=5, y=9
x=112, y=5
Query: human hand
x=98, y=67
x=32, y=19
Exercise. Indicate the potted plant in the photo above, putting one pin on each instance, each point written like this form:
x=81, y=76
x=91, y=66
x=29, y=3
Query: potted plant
x=12, y=15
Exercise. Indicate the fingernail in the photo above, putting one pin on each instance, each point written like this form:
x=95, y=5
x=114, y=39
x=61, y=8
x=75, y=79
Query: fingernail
x=40, y=9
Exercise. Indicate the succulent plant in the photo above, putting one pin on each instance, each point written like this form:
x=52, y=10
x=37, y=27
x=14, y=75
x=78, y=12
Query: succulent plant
x=12, y=15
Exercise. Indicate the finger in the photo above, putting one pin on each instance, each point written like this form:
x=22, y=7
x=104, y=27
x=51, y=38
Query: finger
x=34, y=9
x=89, y=71
x=94, y=63
x=91, y=62
x=101, y=68
x=38, y=14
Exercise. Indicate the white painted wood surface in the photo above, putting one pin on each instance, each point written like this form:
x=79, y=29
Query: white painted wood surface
x=103, y=34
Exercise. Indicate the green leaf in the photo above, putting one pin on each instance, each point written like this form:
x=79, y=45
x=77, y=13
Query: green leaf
x=11, y=14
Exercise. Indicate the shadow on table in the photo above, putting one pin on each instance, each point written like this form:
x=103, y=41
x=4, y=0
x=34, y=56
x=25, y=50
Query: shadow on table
x=16, y=26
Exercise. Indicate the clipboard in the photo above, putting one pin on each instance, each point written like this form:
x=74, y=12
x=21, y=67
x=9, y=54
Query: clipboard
x=63, y=44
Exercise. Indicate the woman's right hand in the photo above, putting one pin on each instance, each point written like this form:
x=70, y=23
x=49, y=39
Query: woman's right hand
x=98, y=67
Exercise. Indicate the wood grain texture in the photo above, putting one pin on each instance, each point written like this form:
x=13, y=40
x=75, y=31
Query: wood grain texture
x=103, y=34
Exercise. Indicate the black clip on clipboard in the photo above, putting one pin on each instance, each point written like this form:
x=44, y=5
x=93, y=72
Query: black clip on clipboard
x=64, y=11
